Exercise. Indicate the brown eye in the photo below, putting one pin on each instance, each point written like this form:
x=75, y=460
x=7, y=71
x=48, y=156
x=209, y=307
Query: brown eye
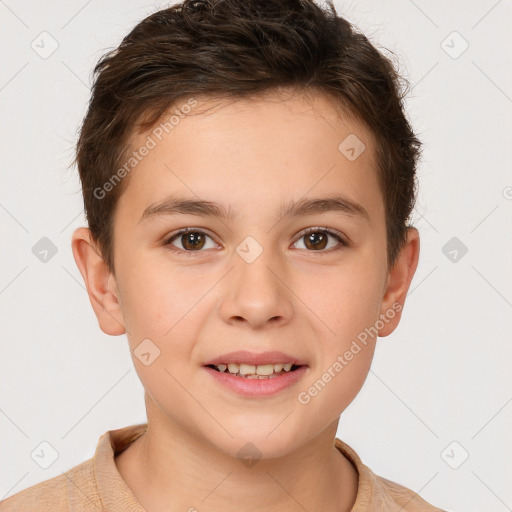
x=190, y=240
x=316, y=239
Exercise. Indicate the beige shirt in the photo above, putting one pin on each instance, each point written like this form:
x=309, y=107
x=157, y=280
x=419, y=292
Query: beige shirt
x=96, y=485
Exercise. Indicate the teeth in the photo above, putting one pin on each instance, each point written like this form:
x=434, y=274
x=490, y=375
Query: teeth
x=251, y=371
x=247, y=369
x=233, y=368
x=265, y=369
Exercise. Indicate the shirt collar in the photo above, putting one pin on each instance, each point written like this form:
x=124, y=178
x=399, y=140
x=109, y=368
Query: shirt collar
x=113, y=491
x=116, y=495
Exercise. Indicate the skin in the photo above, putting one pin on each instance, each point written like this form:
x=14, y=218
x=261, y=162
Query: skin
x=252, y=155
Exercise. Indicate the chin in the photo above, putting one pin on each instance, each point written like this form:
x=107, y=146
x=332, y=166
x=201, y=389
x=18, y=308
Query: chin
x=256, y=443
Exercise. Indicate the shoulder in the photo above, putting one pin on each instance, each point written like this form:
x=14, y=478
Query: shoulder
x=402, y=497
x=375, y=492
x=55, y=493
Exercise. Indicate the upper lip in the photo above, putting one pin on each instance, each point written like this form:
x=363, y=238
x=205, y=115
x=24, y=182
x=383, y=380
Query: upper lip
x=244, y=356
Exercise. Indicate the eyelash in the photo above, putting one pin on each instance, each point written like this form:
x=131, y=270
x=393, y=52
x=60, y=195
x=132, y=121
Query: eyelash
x=343, y=243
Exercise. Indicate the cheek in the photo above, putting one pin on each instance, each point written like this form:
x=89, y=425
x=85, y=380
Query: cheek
x=346, y=301
x=334, y=387
x=341, y=370
x=348, y=305
x=163, y=313
x=158, y=310
x=156, y=299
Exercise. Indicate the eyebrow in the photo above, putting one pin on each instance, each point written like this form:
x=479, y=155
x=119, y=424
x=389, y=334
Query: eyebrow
x=174, y=205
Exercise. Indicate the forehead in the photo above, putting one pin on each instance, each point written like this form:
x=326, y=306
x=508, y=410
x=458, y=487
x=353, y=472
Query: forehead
x=233, y=151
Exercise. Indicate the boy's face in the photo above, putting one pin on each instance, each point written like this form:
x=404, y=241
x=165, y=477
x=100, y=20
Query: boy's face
x=306, y=295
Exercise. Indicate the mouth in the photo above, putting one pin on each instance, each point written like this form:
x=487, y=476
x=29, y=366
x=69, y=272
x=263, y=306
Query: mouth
x=246, y=379
x=251, y=371
x=256, y=374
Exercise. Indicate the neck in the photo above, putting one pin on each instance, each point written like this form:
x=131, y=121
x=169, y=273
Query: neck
x=171, y=470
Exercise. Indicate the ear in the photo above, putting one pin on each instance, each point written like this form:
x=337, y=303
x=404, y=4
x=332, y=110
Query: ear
x=100, y=283
x=398, y=281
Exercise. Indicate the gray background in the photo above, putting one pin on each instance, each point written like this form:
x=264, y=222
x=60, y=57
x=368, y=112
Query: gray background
x=439, y=389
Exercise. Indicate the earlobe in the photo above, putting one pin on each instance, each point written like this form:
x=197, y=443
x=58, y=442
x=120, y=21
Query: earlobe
x=100, y=283
x=398, y=282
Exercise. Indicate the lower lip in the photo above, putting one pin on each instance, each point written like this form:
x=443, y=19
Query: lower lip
x=257, y=387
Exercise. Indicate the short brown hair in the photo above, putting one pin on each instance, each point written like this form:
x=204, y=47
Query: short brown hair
x=240, y=49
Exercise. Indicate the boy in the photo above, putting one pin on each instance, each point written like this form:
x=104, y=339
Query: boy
x=247, y=173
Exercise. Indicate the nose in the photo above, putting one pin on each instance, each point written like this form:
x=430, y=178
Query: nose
x=257, y=293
